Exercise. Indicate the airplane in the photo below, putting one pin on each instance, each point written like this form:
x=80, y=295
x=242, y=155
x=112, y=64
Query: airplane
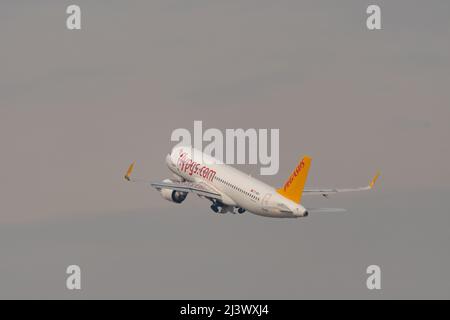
x=232, y=191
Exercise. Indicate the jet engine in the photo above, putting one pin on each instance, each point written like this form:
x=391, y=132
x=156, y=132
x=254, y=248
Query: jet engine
x=173, y=195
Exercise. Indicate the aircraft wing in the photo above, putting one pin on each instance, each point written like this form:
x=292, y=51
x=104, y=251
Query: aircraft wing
x=326, y=192
x=199, y=188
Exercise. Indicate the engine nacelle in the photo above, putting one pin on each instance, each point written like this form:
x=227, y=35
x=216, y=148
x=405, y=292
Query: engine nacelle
x=173, y=195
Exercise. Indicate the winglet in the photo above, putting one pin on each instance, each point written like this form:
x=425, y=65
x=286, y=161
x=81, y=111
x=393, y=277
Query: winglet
x=129, y=171
x=372, y=183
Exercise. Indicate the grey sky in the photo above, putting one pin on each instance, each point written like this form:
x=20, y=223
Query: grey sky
x=76, y=107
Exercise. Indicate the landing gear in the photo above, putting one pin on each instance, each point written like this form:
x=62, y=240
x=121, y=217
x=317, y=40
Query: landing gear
x=216, y=208
x=238, y=210
x=219, y=207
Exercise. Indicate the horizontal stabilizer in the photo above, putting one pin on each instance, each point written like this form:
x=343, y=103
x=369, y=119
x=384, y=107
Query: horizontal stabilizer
x=326, y=192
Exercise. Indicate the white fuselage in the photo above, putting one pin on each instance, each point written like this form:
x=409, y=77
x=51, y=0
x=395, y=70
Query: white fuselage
x=237, y=188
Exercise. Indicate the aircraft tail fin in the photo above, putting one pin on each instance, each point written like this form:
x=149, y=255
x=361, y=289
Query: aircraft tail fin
x=293, y=187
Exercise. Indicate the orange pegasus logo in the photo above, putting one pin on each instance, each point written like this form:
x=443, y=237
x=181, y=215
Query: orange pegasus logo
x=296, y=172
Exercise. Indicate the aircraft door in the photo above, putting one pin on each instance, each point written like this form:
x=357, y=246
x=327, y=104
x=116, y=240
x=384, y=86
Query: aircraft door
x=266, y=199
